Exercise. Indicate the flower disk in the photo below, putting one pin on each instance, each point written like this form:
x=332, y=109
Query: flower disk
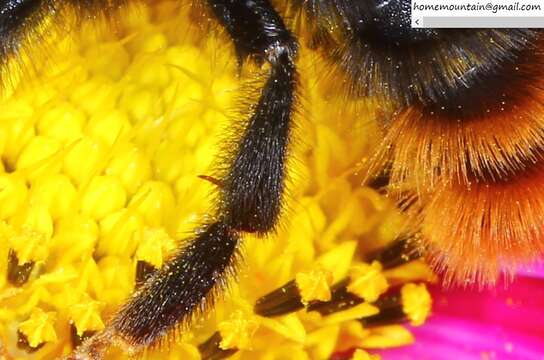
x=106, y=145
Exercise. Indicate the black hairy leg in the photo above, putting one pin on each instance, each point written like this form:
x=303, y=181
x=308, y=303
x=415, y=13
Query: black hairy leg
x=250, y=194
x=183, y=283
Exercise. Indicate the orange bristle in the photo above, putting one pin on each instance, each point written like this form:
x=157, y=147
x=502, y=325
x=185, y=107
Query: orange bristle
x=474, y=232
x=491, y=136
x=477, y=165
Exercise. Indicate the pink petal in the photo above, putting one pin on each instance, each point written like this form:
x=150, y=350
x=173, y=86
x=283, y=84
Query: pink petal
x=450, y=338
x=536, y=270
x=502, y=323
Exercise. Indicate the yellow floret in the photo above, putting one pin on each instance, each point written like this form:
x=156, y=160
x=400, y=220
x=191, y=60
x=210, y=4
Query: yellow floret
x=367, y=281
x=155, y=245
x=86, y=316
x=416, y=303
x=237, y=331
x=314, y=285
x=13, y=194
x=39, y=328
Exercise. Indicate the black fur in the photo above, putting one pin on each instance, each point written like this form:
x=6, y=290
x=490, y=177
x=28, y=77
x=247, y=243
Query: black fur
x=24, y=22
x=251, y=187
x=15, y=17
x=185, y=285
x=14, y=13
x=372, y=44
x=254, y=26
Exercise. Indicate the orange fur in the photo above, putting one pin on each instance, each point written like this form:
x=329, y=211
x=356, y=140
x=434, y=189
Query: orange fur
x=474, y=231
x=503, y=135
x=478, y=169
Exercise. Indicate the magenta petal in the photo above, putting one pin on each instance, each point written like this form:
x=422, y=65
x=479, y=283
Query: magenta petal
x=449, y=338
x=519, y=307
x=536, y=271
x=494, y=324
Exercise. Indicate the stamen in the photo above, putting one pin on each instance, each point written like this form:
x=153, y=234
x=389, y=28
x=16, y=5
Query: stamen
x=211, y=350
x=341, y=300
x=411, y=302
x=314, y=285
x=401, y=251
x=77, y=339
x=237, y=331
x=23, y=344
x=367, y=282
x=281, y=301
x=37, y=330
x=18, y=274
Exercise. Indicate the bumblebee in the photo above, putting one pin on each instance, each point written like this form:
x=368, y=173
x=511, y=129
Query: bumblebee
x=462, y=137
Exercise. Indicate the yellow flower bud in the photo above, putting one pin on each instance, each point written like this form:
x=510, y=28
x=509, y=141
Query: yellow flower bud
x=288, y=326
x=86, y=316
x=98, y=93
x=178, y=94
x=56, y=192
x=148, y=42
x=104, y=195
x=34, y=228
x=75, y=237
x=338, y=260
x=117, y=275
x=63, y=122
x=108, y=126
x=38, y=156
x=307, y=224
x=155, y=201
x=13, y=194
x=67, y=73
x=149, y=70
x=131, y=166
x=117, y=232
x=141, y=104
x=181, y=55
x=17, y=125
x=109, y=58
x=168, y=161
x=84, y=159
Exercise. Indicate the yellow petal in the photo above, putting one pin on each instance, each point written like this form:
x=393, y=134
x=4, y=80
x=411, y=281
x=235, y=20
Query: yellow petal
x=289, y=326
x=354, y=313
x=338, y=260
